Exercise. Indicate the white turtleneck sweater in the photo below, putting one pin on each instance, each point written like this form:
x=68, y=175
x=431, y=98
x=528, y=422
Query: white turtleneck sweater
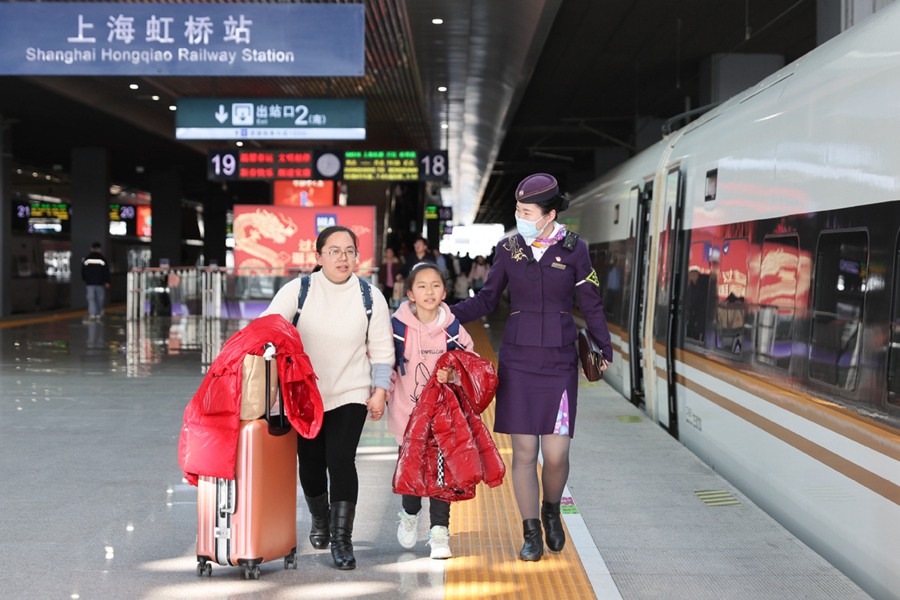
x=332, y=326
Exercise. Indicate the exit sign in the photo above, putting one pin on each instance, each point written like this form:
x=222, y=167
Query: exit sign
x=270, y=119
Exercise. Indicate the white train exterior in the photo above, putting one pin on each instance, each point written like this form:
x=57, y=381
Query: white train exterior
x=750, y=263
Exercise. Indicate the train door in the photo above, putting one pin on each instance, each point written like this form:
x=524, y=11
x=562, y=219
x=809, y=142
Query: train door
x=641, y=260
x=667, y=300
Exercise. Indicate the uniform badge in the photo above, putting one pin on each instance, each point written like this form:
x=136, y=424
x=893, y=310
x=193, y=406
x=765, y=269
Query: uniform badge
x=515, y=252
x=593, y=278
x=557, y=265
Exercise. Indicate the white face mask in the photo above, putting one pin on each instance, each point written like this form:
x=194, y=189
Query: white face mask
x=529, y=229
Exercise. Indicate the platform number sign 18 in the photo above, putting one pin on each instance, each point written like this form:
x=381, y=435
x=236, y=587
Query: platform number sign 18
x=433, y=165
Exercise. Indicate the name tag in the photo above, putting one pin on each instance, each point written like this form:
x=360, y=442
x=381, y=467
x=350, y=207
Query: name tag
x=558, y=265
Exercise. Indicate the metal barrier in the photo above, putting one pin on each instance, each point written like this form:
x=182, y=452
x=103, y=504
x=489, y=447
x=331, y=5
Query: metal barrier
x=210, y=292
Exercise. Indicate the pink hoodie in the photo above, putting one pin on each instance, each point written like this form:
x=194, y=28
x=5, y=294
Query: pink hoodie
x=425, y=343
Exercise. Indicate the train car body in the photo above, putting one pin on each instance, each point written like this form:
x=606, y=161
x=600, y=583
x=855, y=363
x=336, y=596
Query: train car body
x=750, y=263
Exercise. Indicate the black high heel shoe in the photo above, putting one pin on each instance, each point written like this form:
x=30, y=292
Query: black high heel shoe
x=553, y=527
x=534, y=543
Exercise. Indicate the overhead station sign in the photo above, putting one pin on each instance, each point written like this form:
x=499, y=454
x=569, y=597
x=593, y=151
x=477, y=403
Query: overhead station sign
x=270, y=119
x=350, y=165
x=239, y=39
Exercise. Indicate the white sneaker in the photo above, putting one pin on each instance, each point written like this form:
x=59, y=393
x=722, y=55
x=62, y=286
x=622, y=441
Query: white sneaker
x=408, y=530
x=439, y=540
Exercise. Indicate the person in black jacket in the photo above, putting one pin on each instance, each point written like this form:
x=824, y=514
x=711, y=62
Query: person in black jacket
x=95, y=274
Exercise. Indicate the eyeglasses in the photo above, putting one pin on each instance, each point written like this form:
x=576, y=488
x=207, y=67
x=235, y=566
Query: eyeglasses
x=334, y=253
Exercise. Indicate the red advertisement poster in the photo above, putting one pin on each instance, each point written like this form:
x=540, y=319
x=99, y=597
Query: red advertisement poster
x=144, y=221
x=303, y=192
x=285, y=236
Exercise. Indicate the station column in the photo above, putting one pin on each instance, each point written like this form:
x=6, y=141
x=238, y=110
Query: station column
x=90, y=211
x=165, y=195
x=5, y=218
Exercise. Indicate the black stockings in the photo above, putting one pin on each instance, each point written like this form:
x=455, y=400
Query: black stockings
x=554, y=450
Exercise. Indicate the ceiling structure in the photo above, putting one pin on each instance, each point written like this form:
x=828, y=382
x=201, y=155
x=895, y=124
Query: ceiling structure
x=531, y=85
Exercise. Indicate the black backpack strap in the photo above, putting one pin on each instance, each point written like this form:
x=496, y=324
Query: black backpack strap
x=366, y=289
x=399, y=344
x=301, y=299
x=452, y=332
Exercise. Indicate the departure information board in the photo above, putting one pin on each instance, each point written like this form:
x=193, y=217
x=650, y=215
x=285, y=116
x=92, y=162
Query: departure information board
x=395, y=165
x=235, y=165
x=349, y=165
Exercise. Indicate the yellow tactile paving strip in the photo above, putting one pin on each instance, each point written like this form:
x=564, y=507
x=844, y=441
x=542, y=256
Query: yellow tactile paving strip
x=487, y=536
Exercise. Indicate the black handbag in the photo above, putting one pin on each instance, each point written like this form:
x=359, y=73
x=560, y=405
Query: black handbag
x=591, y=355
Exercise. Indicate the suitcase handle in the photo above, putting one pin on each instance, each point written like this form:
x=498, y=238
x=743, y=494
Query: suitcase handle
x=278, y=424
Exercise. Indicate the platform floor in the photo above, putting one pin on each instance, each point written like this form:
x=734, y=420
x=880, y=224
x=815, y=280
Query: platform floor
x=94, y=505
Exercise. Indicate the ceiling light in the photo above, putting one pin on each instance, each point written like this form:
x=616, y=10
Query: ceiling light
x=444, y=126
x=437, y=21
x=173, y=108
x=239, y=144
x=155, y=98
x=133, y=86
x=442, y=88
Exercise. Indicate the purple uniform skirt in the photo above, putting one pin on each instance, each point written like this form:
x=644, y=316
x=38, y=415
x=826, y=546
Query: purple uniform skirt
x=532, y=383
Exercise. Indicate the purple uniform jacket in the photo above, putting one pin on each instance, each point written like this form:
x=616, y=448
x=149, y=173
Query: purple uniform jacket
x=541, y=295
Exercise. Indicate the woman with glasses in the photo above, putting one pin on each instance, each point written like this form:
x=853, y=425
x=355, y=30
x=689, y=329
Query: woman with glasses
x=352, y=355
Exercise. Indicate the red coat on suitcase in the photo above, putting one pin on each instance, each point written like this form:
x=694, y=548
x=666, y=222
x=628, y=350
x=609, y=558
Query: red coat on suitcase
x=208, y=444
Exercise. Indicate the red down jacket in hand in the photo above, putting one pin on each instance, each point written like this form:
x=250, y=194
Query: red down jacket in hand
x=209, y=436
x=445, y=423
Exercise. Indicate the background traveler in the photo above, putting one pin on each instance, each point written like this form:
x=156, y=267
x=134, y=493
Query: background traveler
x=95, y=274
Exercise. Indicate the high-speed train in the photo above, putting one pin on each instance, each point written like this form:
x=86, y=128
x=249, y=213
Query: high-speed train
x=750, y=267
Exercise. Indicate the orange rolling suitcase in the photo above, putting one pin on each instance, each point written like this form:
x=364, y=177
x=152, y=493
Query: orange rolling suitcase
x=251, y=519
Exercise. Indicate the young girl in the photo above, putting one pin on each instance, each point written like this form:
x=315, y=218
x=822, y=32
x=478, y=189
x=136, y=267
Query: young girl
x=425, y=318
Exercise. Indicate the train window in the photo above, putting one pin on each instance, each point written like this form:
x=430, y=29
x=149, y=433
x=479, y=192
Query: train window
x=893, y=374
x=696, y=296
x=731, y=289
x=712, y=184
x=778, y=272
x=841, y=270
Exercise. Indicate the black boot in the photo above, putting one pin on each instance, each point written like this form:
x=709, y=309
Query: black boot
x=534, y=544
x=553, y=527
x=318, y=510
x=342, y=515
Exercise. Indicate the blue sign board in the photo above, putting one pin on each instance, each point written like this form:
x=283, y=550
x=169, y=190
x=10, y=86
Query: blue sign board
x=237, y=39
x=270, y=119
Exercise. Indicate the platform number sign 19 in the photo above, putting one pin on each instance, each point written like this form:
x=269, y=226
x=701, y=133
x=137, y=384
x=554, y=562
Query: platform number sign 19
x=433, y=164
x=222, y=165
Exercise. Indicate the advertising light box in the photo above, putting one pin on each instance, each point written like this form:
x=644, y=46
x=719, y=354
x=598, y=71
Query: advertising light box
x=269, y=237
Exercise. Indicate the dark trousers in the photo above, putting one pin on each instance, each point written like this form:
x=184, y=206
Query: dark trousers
x=332, y=454
x=438, y=510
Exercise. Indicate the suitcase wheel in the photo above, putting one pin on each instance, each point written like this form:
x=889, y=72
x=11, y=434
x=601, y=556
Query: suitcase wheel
x=251, y=572
x=290, y=561
x=204, y=568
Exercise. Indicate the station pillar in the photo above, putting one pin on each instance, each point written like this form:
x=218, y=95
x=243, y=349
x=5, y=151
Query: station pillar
x=6, y=209
x=165, y=198
x=90, y=212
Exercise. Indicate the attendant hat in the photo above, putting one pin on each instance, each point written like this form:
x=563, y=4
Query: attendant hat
x=539, y=188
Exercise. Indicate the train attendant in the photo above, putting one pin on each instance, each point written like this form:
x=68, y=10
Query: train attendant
x=352, y=356
x=543, y=266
